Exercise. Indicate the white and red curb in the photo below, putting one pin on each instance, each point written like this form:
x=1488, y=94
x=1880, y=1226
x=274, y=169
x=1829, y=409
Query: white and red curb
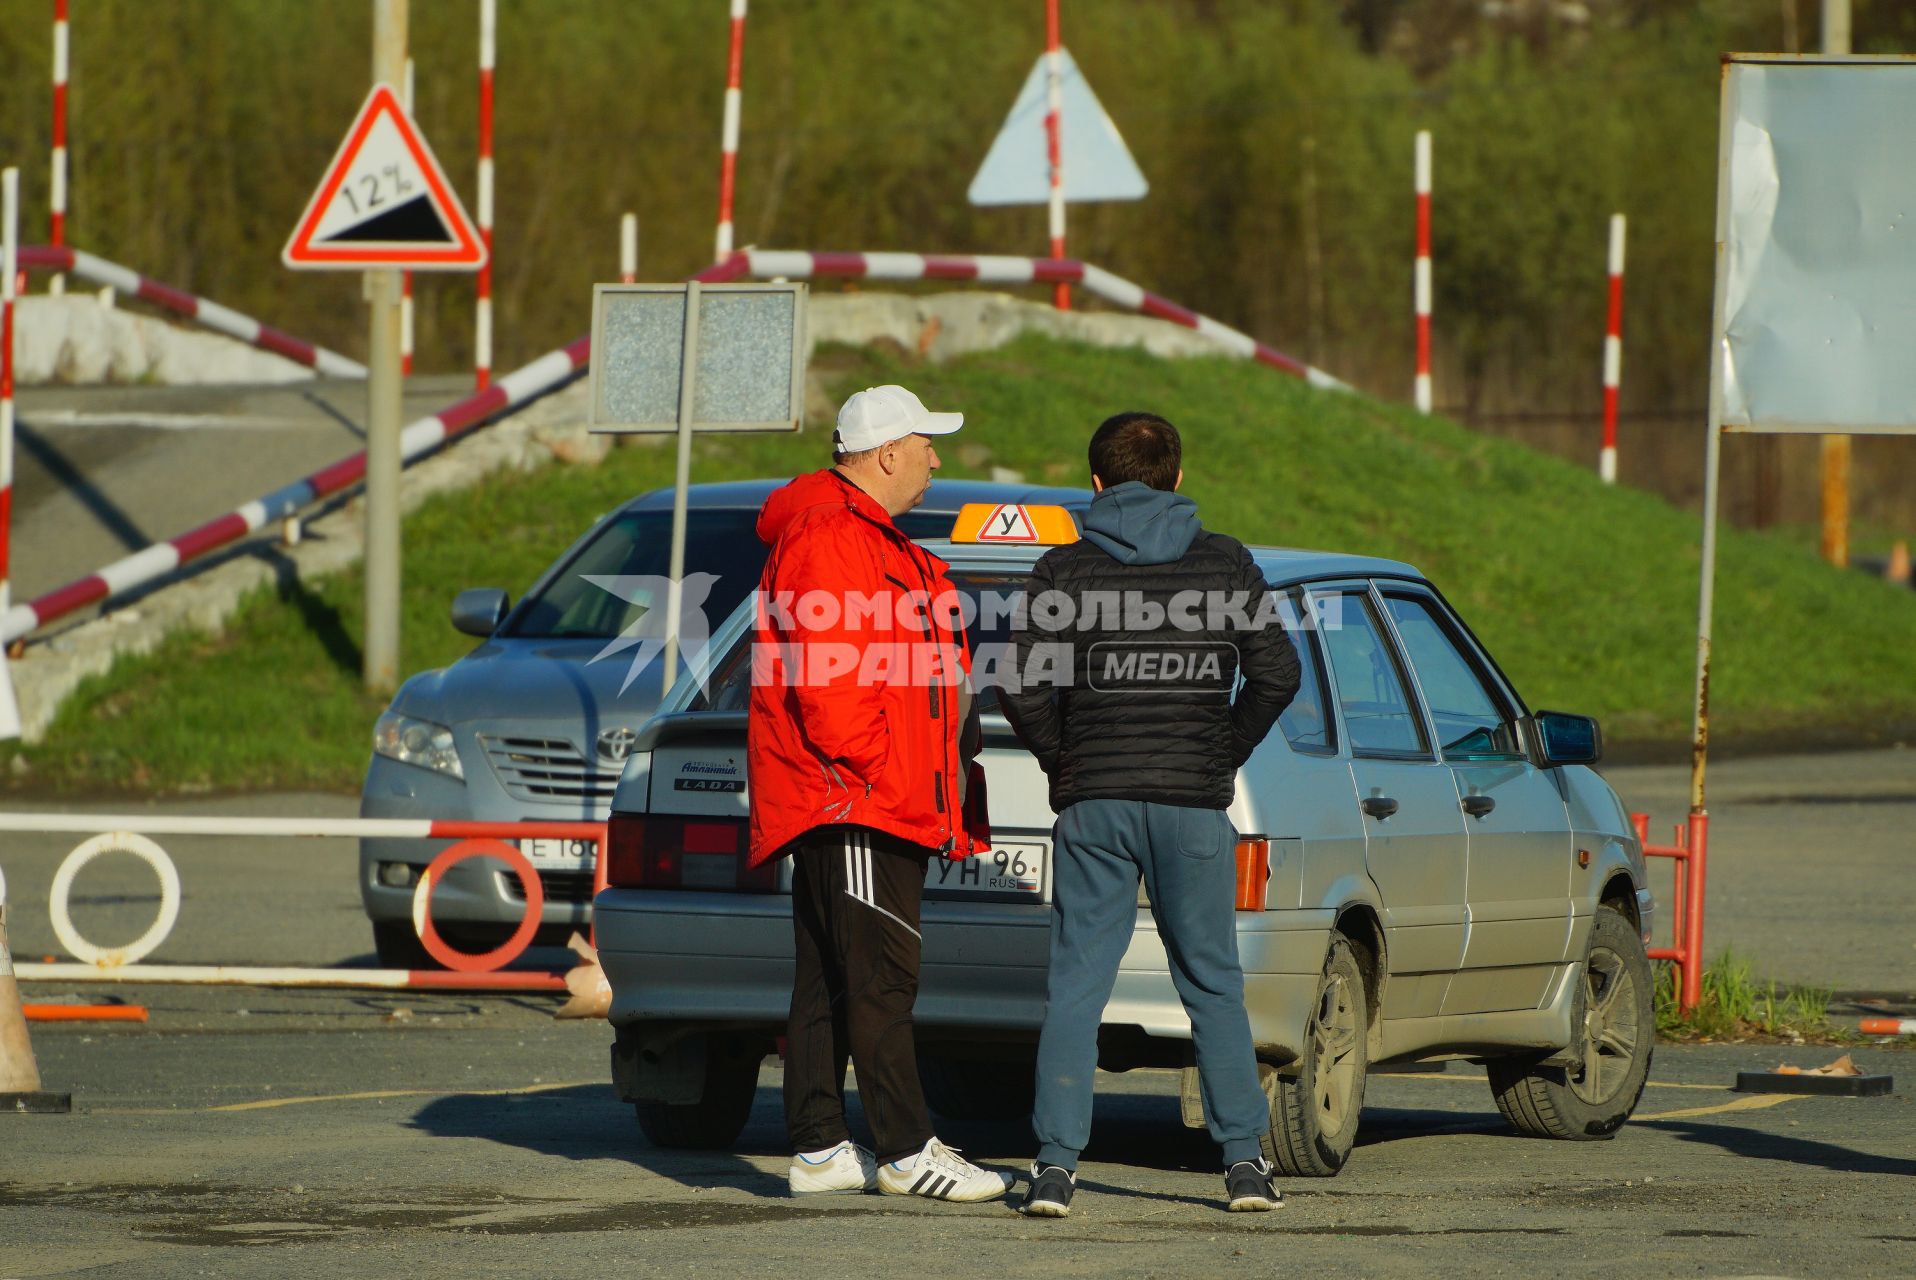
x=207, y=312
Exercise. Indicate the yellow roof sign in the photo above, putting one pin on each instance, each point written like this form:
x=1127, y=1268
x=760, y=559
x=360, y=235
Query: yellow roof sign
x=1035, y=526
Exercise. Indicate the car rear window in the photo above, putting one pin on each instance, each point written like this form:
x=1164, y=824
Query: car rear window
x=991, y=594
x=638, y=544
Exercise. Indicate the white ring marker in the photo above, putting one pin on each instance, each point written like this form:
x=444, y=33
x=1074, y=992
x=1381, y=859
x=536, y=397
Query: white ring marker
x=115, y=842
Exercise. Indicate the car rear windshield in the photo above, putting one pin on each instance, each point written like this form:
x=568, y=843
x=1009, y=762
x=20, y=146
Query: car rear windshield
x=638, y=544
x=989, y=636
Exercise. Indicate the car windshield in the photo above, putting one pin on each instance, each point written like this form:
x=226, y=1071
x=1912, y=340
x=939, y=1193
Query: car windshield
x=638, y=544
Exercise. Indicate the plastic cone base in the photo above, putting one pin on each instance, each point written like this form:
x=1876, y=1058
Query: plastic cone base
x=36, y=1104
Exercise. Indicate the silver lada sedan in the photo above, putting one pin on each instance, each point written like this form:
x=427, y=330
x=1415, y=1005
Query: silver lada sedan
x=1428, y=870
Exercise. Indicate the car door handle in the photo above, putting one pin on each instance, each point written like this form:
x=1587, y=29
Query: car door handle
x=1378, y=807
x=1478, y=806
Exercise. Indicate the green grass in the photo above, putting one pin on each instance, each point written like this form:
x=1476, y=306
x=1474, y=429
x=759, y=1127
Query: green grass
x=1735, y=1005
x=1586, y=594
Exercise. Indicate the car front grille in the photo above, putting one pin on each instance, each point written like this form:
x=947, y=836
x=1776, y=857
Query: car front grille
x=547, y=769
x=558, y=886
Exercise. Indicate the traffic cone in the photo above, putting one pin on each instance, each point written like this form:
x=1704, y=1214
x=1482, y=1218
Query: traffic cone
x=1898, y=568
x=19, y=1077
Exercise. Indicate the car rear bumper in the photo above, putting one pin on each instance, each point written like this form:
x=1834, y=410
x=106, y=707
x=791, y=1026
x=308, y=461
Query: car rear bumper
x=674, y=956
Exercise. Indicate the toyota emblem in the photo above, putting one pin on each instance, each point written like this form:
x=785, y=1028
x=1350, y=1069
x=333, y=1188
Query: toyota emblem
x=616, y=744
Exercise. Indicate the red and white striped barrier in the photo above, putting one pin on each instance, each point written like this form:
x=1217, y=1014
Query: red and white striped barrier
x=211, y=314
x=629, y=248
x=482, y=306
x=9, y=252
x=57, y=190
x=992, y=269
x=1888, y=1026
x=728, y=136
x=405, y=277
x=1612, y=354
x=132, y=833
x=144, y=566
x=1054, y=141
x=1423, y=285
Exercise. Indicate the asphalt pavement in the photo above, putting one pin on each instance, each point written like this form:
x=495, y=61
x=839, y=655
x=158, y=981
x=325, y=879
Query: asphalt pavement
x=247, y=1133
x=102, y=471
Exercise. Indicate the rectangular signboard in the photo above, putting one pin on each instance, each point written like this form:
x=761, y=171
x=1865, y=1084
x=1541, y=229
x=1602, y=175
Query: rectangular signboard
x=748, y=357
x=1816, y=234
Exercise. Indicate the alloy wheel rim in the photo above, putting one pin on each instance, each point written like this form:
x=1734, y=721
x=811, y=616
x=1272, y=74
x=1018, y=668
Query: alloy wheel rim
x=1334, y=1044
x=1611, y=1028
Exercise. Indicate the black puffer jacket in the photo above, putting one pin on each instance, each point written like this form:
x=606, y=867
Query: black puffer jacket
x=1129, y=644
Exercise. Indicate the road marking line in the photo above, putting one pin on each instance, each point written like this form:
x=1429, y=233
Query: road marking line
x=1740, y=1104
x=264, y=1104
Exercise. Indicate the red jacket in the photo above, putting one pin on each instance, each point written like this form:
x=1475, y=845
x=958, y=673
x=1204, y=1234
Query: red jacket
x=855, y=700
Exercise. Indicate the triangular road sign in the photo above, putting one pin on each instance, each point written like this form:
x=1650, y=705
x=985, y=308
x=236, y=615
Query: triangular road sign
x=384, y=202
x=1097, y=165
x=1008, y=523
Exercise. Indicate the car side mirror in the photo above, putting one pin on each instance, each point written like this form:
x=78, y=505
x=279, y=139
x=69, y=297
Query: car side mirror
x=1566, y=739
x=479, y=612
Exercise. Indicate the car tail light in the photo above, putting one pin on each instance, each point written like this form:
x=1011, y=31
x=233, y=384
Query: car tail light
x=650, y=851
x=1253, y=872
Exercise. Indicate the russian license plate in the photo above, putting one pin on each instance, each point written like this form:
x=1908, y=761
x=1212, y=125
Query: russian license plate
x=1012, y=871
x=549, y=851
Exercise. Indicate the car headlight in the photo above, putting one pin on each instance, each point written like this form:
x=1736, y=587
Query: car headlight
x=419, y=742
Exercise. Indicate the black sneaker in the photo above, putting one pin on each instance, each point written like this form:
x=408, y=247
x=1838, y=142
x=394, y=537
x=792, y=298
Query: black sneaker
x=1250, y=1186
x=1049, y=1195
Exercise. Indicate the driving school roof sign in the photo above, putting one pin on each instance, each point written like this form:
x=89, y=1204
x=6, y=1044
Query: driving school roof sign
x=384, y=203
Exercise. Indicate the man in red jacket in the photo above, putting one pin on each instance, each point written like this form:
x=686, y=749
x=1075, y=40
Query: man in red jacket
x=859, y=703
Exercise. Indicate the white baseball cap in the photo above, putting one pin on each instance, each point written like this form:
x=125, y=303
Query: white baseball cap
x=879, y=415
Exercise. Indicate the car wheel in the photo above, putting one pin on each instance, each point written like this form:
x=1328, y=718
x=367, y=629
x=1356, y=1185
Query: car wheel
x=1615, y=1028
x=1314, y=1114
x=979, y=1089
x=719, y=1116
x=398, y=947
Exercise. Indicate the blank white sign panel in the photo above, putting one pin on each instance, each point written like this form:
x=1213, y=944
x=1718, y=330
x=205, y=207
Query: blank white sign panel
x=1816, y=211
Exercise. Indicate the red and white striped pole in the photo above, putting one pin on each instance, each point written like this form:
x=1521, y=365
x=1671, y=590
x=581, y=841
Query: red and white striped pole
x=405, y=277
x=10, y=268
x=57, y=191
x=629, y=248
x=1054, y=140
x=1612, y=354
x=1423, y=272
x=482, y=311
x=728, y=138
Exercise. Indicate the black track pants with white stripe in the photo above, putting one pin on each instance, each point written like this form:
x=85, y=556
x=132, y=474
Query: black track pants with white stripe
x=855, y=895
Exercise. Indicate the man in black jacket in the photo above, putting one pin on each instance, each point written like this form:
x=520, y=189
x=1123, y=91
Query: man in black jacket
x=1130, y=644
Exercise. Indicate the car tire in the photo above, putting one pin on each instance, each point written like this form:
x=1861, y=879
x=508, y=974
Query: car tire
x=718, y=1117
x=988, y=1090
x=398, y=947
x=1614, y=1024
x=1314, y=1114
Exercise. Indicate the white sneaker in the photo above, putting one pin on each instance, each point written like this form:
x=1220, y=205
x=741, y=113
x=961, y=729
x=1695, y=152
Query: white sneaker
x=940, y=1173
x=844, y=1170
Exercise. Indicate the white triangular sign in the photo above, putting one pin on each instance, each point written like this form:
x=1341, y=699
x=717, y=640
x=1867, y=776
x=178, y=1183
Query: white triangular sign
x=1008, y=523
x=384, y=202
x=1097, y=165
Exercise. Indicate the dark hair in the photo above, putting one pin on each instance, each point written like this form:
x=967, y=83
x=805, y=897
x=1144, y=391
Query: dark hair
x=1137, y=446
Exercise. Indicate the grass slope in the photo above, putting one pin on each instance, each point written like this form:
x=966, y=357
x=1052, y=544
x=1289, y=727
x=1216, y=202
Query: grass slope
x=1586, y=594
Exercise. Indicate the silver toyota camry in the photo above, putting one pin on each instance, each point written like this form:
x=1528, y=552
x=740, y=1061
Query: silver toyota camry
x=1427, y=870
